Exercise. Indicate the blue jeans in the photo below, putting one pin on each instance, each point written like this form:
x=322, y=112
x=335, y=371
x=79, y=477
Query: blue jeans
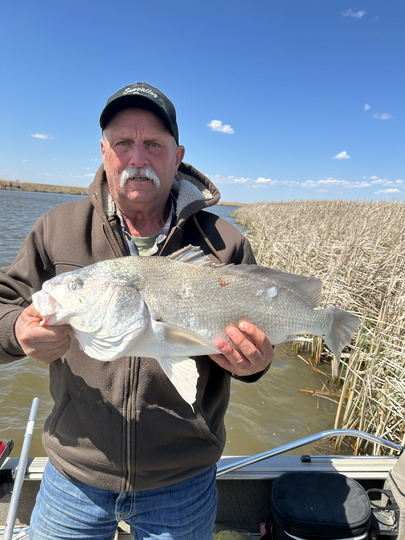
x=183, y=511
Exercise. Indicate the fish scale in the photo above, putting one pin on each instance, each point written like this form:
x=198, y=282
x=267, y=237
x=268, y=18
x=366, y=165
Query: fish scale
x=227, y=299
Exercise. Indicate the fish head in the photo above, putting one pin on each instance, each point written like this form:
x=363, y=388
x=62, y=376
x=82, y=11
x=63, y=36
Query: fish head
x=93, y=299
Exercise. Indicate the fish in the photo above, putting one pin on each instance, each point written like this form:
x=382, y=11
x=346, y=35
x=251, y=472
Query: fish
x=173, y=308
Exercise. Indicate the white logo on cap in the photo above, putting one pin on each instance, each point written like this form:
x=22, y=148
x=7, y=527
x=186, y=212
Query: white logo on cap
x=140, y=90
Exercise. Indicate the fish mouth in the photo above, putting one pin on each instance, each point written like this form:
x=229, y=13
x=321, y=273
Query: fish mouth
x=49, y=309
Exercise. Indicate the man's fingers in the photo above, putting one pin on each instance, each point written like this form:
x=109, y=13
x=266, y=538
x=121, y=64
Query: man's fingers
x=249, y=352
x=43, y=343
x=260, y=340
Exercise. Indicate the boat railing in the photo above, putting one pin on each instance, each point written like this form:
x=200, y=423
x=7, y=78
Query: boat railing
x=244, y=462
x=22, y=466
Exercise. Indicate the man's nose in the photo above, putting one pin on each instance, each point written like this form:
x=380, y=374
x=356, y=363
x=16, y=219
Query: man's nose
x=139, y=156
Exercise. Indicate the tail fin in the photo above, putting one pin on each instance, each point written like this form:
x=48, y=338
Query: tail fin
x=344, y=324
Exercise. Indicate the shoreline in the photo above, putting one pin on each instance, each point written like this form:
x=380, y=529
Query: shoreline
x=12, y=185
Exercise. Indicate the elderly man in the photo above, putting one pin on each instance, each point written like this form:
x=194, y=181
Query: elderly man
x=122, y=443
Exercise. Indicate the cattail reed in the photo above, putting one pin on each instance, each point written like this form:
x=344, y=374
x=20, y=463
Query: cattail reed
x=357, y=249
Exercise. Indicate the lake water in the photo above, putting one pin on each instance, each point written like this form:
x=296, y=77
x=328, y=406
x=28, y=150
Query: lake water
x=269, y=413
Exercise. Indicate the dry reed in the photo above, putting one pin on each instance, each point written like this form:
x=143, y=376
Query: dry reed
x=357, y=249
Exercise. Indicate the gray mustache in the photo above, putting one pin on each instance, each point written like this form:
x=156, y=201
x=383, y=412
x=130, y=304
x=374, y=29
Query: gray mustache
x=146, y=172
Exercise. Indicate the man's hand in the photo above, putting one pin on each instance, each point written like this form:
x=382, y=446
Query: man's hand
x=253, y=354
x=43, y=343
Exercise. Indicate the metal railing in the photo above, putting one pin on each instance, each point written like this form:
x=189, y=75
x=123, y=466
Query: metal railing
x=22, y=466
x=307, y=440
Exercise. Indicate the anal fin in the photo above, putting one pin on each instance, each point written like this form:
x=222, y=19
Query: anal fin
x=183, y=374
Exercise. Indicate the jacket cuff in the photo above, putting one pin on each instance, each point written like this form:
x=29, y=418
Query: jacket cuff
x=9, y=345
x=251, y=378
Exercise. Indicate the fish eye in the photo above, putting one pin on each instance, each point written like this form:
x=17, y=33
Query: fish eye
x=75, y=284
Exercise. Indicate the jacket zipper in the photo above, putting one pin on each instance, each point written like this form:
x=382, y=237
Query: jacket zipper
x=128, y=422
x=118, y=252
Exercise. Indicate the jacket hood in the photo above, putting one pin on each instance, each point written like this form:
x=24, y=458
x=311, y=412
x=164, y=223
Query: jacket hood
x=192, y=190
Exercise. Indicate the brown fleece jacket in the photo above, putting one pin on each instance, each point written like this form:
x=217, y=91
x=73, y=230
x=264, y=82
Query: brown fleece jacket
x=122, y=425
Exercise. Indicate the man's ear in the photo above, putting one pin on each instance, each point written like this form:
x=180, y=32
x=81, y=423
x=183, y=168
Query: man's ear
x=180, y=151
x=102, y=149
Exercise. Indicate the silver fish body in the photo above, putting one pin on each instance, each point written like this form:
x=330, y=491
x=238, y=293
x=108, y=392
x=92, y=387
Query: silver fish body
x=172, y=308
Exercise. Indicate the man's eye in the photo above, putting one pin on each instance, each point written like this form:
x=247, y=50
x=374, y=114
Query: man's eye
x=154, y=144
x=122, y=143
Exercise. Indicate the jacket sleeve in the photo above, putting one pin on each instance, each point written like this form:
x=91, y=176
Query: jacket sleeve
x=17, y=284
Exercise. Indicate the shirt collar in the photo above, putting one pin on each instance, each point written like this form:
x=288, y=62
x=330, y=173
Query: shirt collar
x=160, y=238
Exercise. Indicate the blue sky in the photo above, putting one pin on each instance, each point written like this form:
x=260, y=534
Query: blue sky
x=276, y=99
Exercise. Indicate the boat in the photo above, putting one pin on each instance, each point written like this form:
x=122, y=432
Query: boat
x=245, y=485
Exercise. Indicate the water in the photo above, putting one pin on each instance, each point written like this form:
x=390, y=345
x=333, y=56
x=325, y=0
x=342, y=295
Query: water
x=261, y=416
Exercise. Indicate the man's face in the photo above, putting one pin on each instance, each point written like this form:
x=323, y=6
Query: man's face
x=137, y=138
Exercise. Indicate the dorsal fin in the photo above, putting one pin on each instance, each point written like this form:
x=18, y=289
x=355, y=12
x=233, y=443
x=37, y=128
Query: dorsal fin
x=308, y=288
x=190, y=254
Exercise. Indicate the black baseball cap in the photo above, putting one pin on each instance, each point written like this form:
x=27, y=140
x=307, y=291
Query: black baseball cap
x=145, y=96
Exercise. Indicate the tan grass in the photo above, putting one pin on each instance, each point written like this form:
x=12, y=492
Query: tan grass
x=357, y=249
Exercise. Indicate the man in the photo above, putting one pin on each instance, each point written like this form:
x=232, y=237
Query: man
x=122, y=444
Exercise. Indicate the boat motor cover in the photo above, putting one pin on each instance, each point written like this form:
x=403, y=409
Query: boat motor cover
x=319, y=505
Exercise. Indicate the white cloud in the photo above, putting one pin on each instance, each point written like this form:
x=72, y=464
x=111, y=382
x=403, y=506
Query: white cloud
x=375, y=180
x=355, y=14
x=334, y=182
x=323, y=185
x=219, y=179
x=267, y=181
x=384, y=181
x=383, y=116
x=388, y=191
x=342, y=155
x=217, y=125
x=43, y=136
x=367, y=107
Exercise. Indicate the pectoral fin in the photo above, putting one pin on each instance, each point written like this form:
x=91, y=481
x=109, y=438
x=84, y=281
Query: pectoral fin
x=181, y=338
x=183, y=374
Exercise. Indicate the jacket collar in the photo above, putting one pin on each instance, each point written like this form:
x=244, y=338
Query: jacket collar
x=191, y=190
